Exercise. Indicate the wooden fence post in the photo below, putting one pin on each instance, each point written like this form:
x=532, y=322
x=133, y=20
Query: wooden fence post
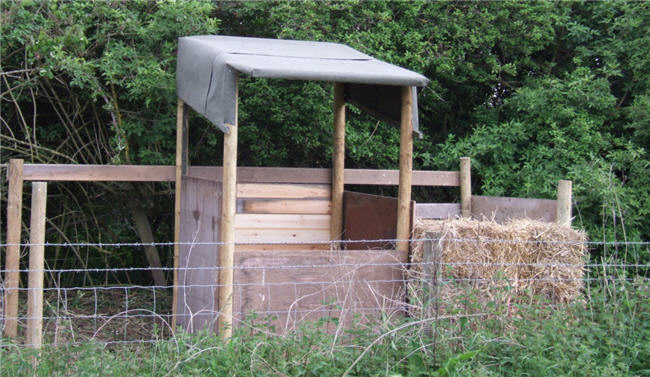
x=405, y=171
x=34, y=335
x=431, y=258
x=181, y=169
x=465, y=187
x=338, y=165
x=12, y=276
x=563, y=212
x=228, y=210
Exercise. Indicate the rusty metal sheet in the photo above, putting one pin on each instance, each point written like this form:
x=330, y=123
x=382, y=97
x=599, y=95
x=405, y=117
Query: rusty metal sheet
x=369, y=217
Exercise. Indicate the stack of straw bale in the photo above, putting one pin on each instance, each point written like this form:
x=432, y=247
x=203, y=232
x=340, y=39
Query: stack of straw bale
x=531, y=259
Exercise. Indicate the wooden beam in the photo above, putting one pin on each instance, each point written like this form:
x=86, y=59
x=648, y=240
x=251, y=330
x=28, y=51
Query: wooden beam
x=14, y=215
x=182, y=127
x=338, y=162
x=465, y=187
x=287, y=206
x=160, y=173
x=100, y=173
x=563, y=213
x=281, y=221
x=405, y=169
x=228, y=208
x=282, y=191
x=34, y=335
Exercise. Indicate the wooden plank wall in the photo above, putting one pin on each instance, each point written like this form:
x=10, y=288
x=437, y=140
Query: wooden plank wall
x=200, y=218
x=502, y=209
x=319, y=284
x=437, y=211
x=281, y=213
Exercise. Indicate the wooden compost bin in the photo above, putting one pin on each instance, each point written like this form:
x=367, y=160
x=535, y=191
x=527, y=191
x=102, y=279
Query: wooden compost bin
x=227, y=280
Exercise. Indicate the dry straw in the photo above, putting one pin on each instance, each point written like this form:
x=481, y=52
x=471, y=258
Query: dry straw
x=522, y=259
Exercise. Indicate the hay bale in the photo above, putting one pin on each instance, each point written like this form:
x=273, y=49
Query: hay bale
x=528, y=259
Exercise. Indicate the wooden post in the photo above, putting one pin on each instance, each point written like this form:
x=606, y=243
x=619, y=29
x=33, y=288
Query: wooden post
x=14, y=214
x=563, y=212
x=34, y=336
x=228, y=209
x=405, y=171
x=465, y=187
x=181, y=168
x=431, y=258
x=338, y=164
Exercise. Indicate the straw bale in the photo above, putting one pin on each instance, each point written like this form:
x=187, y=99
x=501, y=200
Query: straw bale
x=522, y=259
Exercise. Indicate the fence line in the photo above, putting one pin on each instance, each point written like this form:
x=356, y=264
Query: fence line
x=328, y=242
x=128, y=314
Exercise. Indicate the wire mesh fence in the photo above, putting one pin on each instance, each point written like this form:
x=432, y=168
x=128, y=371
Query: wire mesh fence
x=343, y=287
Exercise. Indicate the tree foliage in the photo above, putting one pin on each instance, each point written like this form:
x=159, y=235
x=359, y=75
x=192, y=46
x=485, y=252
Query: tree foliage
x=533, y=92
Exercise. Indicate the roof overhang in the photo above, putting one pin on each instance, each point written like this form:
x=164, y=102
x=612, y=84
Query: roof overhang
x=208, y=65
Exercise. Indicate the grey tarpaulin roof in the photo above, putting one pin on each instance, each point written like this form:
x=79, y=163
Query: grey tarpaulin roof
x=208, y=65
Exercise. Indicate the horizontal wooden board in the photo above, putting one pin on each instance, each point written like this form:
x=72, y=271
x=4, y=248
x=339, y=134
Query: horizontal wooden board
x=281, y=235
x=437, y=210
x=275, y=247
x=282, y=191
x=161, y=173
x=317, y=284
x=500, y=209
x=275, y=221
x=99, y=173
x=288, y=206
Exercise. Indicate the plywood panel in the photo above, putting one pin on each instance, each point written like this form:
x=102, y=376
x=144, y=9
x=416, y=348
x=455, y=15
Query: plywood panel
x=437, y=210
x=282, y=191
x=281, y=235
x=308, y=285
x=200, y=214
x=288, y=206
x=501, y=209
x=275, y=221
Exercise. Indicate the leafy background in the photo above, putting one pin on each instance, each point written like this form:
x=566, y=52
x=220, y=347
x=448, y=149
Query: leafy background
x=533, y=92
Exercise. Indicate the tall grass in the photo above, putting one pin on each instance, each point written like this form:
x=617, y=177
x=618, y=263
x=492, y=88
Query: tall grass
x=605, y=334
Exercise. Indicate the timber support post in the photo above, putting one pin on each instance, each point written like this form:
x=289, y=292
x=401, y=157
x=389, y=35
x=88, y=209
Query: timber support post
x=338, y=165
x=34, y=335
x=563, y=212
x=405, y=172
x=228, y=208
x=465, y=187
x=181, y=169
x=14, y=225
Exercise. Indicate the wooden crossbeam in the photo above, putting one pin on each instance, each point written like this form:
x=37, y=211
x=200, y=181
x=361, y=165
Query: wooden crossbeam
x=162, y=173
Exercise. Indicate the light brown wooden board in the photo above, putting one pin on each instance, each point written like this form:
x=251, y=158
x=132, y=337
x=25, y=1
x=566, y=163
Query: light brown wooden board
x=285, y=206
x=275, y=221
x=322, y=288
x=501, y=209
x=161, y=173
x=281, y=235
x=200, y=215
x=282, y=191
x=437, y=210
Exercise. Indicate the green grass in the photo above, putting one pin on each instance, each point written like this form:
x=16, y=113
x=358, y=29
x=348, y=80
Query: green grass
x=607, y=334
